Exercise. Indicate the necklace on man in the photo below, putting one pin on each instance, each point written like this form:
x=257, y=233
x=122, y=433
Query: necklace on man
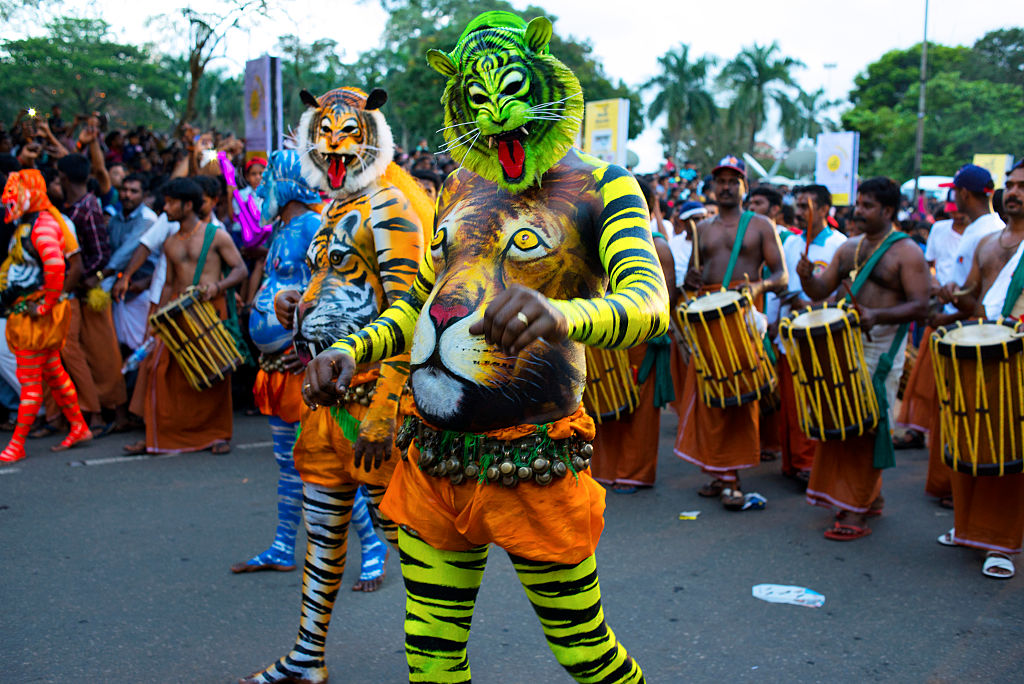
x=856, y=254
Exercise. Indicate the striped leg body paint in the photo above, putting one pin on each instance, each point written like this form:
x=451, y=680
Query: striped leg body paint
x=374, y=553
x=281, y=554
x=327, y=512
x=441, y=589
x=567, y=599
x=35, y=367
x=440, y=593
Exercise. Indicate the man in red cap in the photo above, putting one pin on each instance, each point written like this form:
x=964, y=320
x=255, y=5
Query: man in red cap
x=723, y=441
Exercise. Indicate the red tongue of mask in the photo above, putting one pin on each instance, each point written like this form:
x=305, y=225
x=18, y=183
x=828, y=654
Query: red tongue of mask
x=512, y=157
x=336, y=172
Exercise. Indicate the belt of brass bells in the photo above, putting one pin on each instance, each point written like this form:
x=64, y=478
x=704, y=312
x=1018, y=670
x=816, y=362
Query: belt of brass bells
x=465, y=457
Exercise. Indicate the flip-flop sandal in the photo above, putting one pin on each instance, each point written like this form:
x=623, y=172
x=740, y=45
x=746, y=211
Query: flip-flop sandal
x=45, y=431
x=846, y=532
x=624, y=489
x=135, y=448
x=220, y=448
x=995, y=562
x=732, y=499
x=911, y=439
x=946, y=502
x=946, y=538
x=712, y=489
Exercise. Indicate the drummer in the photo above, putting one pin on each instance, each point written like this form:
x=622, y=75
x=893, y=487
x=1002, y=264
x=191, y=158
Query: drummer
x=813, y=204
x=723, y=441
x=989, y=511
x=887, y=277
x=177, y=417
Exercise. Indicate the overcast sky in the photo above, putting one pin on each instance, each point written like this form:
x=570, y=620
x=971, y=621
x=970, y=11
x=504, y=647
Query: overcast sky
x=847, y=34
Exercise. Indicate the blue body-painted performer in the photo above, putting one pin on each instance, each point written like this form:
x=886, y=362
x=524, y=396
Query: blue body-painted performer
x=288, y=200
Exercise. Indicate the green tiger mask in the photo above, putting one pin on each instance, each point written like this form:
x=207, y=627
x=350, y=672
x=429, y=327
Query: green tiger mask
x=511, y=110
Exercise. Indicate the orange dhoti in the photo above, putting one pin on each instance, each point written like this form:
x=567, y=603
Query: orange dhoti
x=557, y=523
x=719, y=440
x=989, y=511
x=177, y=417
x=626, y=450
x=920, y=401
x=797, y=448
x=844, y=475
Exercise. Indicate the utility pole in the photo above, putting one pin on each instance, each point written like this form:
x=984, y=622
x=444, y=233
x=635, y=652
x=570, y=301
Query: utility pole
x=919, y=146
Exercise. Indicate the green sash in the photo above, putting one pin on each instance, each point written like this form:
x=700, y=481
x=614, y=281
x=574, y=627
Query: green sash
x=884, y=455
x=1015, y=288
x=741, y=231
x=232, y=325
x=658, y=358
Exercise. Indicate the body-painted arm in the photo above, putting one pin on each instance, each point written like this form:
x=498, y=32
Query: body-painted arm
x=47, y=240
x=391, y=333
x=398, y=240
x=637, y=308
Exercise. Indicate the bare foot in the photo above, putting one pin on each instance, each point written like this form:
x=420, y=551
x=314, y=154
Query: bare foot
x=138, y=447
x=221, y=448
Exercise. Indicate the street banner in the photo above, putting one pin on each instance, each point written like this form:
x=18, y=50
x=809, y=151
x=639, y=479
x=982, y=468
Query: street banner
x=606, y=130
x=996, y=164
x=835, y=165
x=263, y=114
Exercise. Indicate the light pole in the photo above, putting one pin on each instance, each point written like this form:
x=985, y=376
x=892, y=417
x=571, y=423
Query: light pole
x=919, y=146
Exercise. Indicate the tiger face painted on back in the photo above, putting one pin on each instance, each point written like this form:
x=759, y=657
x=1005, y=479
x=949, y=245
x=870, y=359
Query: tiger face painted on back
x=480, y=246
x=344, y=141
x=511, y=110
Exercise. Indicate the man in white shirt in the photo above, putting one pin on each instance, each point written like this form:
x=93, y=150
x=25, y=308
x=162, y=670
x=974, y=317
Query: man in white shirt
x=680, y=242
x=816, y=201
x=973, y=188
x=943, y=243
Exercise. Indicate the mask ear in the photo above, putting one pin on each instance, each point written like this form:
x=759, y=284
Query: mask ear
x=538, y=34
x=376, y=99
x=441, y=63
x=308, y=99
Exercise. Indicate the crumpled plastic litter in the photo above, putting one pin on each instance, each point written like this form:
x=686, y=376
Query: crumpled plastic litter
x=754, y=502
x=785, y=593
x=688, y=515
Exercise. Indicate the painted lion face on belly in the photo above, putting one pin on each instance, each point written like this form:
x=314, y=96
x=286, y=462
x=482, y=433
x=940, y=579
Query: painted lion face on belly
x=482, y=244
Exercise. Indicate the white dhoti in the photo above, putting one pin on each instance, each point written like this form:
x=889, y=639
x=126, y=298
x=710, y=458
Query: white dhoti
x=130, y=321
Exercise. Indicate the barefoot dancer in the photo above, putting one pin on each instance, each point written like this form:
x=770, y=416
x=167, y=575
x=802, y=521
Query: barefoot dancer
x=529, y=233
x=31, y=280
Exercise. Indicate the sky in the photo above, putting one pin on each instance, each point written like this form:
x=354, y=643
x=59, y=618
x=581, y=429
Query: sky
x=819, y=33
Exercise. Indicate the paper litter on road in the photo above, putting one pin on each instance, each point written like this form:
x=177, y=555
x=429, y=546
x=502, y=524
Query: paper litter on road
x=688, y=515
x=783, y=593
x=753, y=502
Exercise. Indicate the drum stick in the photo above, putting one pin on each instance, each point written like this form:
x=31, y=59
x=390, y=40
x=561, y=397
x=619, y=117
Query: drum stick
x=696, y=248
x=807, y=235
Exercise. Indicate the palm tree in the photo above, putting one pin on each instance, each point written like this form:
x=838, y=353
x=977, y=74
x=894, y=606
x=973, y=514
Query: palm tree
x=683, y=94
x=803, y=116
x=757, y=77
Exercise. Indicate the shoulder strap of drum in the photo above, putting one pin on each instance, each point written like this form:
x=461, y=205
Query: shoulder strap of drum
x=865, y=271
x=1014, y=290
x=741, y=231
x=211, y=230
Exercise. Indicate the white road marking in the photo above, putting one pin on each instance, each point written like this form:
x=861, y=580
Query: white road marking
x=127, y=458
x=9, y=471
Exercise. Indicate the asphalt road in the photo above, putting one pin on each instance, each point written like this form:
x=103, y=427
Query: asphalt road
x=117, y=571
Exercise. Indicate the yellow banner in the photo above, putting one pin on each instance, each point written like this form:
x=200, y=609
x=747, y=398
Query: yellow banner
x=996, y=164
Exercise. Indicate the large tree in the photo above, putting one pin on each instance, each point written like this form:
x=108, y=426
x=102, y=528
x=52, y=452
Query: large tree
x=758, y=76
x=970, y=109
x=804, y=116
x=76, y=64
x=682, y=96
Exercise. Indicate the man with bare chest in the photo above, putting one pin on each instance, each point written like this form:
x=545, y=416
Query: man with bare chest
x=729, y=252
x=989, y=511
x=888, y=282
x=177, y=417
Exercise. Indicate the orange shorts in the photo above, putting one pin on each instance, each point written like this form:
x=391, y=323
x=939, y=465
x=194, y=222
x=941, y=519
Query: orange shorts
x=559, y=523
x=324, y=456
x=279, y=394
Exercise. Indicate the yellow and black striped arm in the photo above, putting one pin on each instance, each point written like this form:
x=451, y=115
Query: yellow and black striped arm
x=391, y=333
x=637, y=308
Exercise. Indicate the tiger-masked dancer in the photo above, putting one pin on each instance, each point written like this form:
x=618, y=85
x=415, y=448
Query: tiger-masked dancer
x=287, y=199
x=31, y=281
x=529, y=232
x=363, y=258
